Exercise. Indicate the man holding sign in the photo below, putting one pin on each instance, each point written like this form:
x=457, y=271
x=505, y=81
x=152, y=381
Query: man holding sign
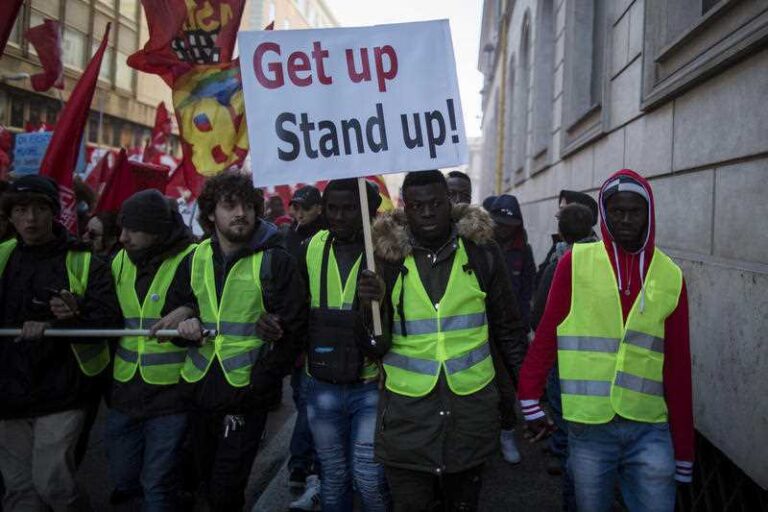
x=453, y=312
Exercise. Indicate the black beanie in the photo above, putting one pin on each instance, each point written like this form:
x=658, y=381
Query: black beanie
x=35, y=184
x=147, y=211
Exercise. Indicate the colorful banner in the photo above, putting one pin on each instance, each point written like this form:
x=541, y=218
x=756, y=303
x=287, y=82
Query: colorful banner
x=349, y=102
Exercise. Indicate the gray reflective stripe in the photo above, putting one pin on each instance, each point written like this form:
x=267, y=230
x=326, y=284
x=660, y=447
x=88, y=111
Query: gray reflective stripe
x=585, y=387
x=459, y=322
x=127, y=355
x=163, y=358
x=412, y=364
x=199, y=360
x=346, y=306
x=242, y=360
x=645, y=341
x=237, y=328
x=210, y=326
x=416, y=327
x=450, y=323
x=89, y=352
x=639, y=384
x=469, y=359
x=587, y=343
x=135, y=323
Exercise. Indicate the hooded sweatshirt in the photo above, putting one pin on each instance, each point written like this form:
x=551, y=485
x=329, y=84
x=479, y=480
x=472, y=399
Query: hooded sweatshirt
x=630, y=270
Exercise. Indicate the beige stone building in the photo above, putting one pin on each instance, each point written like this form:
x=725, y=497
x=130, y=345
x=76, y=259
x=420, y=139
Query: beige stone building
x=126, y=97
x=676, y=90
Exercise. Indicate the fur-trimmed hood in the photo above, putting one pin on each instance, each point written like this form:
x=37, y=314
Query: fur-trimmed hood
x=392, y=239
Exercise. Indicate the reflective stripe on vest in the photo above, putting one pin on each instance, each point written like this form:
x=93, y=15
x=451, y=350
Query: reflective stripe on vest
x=236, y=345
x=607, y=366
x=157, y=363
x=452, y=335
x=340, y=295
x=91, y=357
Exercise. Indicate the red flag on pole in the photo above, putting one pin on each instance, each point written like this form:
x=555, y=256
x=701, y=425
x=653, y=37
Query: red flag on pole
x=61, y=156
x=10, y=9
x=128, y=178
x=46, y=39
x=160, y=132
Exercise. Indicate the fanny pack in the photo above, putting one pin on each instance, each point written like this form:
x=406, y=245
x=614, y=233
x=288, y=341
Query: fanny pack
x=334, y=337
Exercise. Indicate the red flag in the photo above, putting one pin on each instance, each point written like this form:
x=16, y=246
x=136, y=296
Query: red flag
x=128, y=178
x=156, y=146
x=61, y=156
x=100, y=175
x=6, y=140
x=386, y=200
x=46, y=39
x=187, y=33
x=10, y=9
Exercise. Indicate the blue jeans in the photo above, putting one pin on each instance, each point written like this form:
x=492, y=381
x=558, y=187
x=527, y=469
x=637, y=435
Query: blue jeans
x=558, y=441
x=343, y=423
x=302, y=448
x=144, y=457
x=639, y=455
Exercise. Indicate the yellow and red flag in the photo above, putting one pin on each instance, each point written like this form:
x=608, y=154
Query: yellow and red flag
x=190, y=46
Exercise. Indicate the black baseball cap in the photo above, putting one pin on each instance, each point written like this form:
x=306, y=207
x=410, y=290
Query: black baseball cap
x=506, y=210
x=41, y=186
x=306, y=197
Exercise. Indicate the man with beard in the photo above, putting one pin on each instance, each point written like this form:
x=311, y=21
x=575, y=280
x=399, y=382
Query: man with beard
x=232, y=279
x=48, y=280
x=148, y=417
x=453, y=313
x=616, y=319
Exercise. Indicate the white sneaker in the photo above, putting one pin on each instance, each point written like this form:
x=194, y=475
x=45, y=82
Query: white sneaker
x=509, y=447
x=310, y=500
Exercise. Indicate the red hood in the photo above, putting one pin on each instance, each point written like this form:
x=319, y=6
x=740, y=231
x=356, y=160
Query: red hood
x=628, y=180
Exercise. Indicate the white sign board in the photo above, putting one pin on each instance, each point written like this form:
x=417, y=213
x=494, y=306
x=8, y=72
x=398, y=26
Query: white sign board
x=349, y=102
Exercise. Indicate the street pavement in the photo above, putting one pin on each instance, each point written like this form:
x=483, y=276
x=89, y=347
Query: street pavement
x=525, y=487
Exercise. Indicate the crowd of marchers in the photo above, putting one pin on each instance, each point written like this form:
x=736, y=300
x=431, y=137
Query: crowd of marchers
x=404, y=421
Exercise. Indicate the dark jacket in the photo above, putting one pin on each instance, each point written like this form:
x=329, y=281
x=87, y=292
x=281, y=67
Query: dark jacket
x=522, y=272
x=283, y=295
x=42, y=377
x=443, y=432
x=296, y=235
x=136, y=397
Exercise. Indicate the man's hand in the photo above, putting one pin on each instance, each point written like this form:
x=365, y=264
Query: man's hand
x=370, y=287
x=170, y=321
x=31, y=331
x=64, y=305
x=268, y=327
x=191, y=329
x=538, y=429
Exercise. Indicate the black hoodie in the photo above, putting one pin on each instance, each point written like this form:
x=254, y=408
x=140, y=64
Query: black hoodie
x=284, y=295
x=42, y=377
x=137, y=398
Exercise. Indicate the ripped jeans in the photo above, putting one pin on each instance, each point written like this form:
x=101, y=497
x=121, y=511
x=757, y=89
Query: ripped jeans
x=343, y=422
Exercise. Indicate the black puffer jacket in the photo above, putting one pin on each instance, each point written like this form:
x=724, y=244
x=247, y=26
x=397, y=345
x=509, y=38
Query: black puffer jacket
x=137, y=398
x=42, y=377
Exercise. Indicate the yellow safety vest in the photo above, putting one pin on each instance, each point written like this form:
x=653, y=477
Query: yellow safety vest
x=450, y=336
x=158, y=363
x=607, y=366
x=91, y=357
x=339, y=296
x=236, y=345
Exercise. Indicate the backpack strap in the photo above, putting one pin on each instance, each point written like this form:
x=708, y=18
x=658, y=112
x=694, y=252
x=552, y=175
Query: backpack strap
x=478, y=262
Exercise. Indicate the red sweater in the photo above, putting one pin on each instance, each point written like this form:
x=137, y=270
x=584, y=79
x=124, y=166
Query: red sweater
x=677, y=357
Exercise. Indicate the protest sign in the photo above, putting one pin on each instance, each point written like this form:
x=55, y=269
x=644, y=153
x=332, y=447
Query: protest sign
x=29, y=150
x=348, y=102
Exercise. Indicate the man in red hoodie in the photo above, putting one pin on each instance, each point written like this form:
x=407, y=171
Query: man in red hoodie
x=617, y=320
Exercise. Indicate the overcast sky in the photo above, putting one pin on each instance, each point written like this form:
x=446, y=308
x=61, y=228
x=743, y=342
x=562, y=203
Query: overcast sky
x=464, y=16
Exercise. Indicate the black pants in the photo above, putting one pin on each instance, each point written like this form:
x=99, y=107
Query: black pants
x=507, y=395
x=419, y=491
x=224, y=463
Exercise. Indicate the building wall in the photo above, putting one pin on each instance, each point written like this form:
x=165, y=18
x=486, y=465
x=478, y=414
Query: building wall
x=676, y=91
x=126, y=97
x=287, y=14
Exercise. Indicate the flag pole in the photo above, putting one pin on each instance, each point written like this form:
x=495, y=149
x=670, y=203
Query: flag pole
x=369, y=256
